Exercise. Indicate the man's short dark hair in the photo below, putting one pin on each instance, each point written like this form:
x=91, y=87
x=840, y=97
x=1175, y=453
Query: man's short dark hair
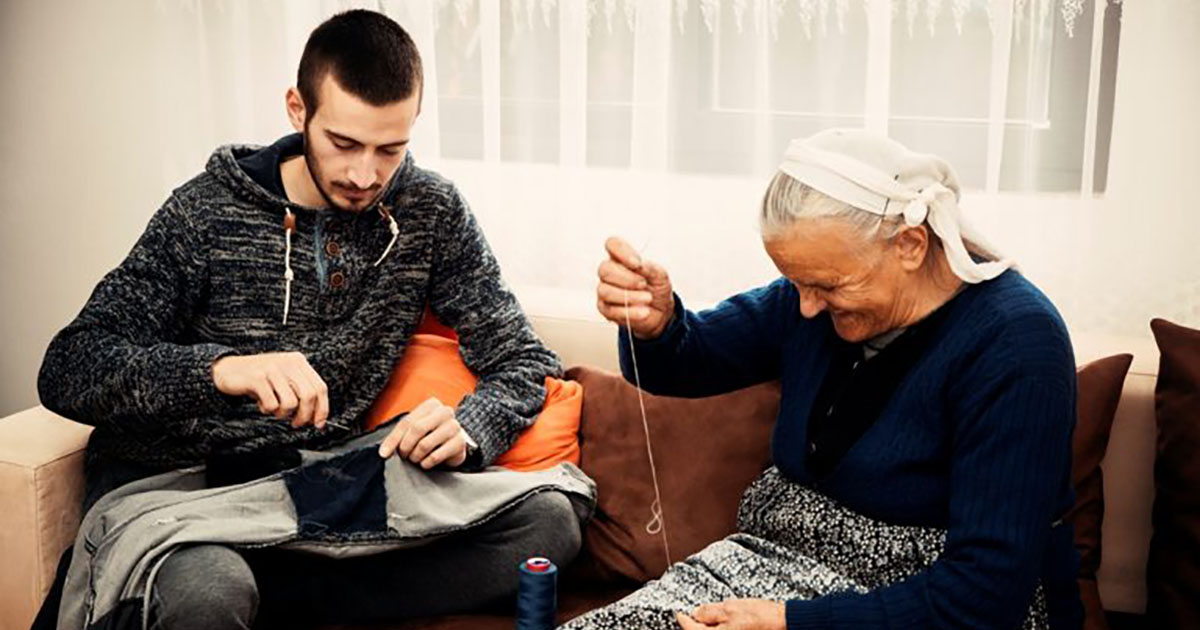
x=368, y=54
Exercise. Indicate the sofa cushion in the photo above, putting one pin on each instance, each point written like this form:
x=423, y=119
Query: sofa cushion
x=1099, y=391
x=706, y=451
x=41, y=473
x=1173, y=573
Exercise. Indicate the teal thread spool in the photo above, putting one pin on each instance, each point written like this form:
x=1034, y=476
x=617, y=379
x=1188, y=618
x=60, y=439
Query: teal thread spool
x=537, y=595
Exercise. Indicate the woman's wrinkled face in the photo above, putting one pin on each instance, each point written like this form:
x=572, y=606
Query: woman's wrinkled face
x=860, y=281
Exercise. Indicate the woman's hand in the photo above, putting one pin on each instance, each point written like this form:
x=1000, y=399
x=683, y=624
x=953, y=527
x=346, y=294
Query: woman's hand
x=736, y=614
x=634, y=287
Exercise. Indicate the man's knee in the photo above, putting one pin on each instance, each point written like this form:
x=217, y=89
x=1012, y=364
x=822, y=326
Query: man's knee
x=554, y=526
x=207, y=586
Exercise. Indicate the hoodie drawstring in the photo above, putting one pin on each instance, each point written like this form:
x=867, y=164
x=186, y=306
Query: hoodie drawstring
x=395, y=229
x=289, y=225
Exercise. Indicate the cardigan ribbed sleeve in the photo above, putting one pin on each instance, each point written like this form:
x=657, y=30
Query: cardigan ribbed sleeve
x=730, y=346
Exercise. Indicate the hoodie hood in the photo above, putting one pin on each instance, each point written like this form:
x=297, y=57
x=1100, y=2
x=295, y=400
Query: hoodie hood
x=225, y=166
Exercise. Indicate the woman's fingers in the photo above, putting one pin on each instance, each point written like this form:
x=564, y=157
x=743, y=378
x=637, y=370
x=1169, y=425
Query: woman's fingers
x=633, y=291
x=654, y=274
x=620, y=276
x=710, y=614
x=634, y=315
x=620, y=251
x=616, y=295
x=687, y=623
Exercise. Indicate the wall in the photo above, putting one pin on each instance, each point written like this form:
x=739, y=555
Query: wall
x=73, y=154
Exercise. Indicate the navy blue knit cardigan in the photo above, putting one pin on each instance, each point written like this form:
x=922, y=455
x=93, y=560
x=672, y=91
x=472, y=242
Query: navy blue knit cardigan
x=976, y=439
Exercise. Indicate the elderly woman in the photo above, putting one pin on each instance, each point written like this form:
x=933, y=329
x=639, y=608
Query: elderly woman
x=922, y=448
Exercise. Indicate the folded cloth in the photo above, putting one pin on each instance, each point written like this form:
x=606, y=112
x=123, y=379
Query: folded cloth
x=342, y=502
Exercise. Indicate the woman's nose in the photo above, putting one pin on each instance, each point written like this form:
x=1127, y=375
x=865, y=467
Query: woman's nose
x=811, y=304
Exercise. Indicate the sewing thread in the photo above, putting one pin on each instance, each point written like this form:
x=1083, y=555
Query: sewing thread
x=537, y=595
x=657, y=523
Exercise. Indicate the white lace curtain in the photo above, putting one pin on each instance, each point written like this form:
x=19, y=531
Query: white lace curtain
x=1010, y=91
x=565, y=121
x=714, y=86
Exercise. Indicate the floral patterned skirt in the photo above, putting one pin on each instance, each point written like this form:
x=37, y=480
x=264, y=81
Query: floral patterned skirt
x=793, y=543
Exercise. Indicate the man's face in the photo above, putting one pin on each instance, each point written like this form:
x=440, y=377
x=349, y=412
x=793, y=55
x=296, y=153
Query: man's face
x=353, y=148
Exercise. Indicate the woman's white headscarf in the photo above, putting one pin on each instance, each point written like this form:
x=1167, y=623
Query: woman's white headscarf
x=879, y=175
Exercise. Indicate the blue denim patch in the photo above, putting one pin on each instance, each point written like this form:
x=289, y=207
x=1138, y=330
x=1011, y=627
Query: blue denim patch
x=340, y=496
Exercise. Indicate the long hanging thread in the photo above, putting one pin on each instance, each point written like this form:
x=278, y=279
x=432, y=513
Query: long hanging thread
x=657, y=524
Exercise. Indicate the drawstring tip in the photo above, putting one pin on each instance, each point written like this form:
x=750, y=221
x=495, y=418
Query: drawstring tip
x=394, y=228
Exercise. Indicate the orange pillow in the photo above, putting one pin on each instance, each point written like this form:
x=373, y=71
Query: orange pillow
x=432, y=367
x=430, y=324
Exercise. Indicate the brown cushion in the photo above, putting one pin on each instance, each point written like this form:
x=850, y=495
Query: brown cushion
x=706, y=451
x=1173, y=572
x=1099, y=391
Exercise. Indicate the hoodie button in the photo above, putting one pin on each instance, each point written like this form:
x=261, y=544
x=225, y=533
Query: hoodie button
x=337, y=279
x=333, y=249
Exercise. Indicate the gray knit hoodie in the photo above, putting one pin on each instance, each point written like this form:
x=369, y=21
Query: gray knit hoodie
x=207, y=279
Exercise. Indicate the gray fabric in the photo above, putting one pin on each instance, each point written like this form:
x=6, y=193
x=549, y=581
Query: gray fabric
x=211, y=587
x=205, y=587
x=793, y=543
x=125, y=536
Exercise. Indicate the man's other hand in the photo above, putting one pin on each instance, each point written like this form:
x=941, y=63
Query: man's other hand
x=429, y=435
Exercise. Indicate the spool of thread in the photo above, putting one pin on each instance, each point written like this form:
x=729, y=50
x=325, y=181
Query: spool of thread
x=537, y=595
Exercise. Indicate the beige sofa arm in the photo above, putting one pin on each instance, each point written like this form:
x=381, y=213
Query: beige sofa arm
x=41, y=483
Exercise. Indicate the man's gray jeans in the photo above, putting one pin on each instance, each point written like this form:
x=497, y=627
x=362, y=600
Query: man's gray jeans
x=213, y=587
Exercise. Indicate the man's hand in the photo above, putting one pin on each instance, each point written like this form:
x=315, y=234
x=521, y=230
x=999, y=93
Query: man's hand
x=429, y=435
x=627, y=276
x=282, y=383
x=736, y=614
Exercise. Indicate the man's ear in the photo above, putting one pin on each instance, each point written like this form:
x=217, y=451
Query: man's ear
x=296, y=111
x=912, y=246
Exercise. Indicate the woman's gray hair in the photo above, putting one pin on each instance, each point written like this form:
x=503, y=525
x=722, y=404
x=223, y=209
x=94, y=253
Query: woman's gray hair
x=789, y=200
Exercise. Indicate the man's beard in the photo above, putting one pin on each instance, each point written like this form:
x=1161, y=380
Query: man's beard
x=314, y=172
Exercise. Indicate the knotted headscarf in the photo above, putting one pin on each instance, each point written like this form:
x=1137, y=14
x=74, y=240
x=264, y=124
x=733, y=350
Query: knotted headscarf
x=879, y=175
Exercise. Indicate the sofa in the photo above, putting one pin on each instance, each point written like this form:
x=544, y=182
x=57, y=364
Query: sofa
x=41, y=485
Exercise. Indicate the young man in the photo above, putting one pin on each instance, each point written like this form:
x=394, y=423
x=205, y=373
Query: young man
x=265, y=306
